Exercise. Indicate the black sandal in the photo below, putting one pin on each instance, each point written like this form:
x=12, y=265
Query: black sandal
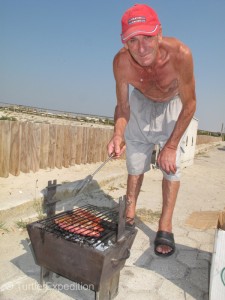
x=164, y=238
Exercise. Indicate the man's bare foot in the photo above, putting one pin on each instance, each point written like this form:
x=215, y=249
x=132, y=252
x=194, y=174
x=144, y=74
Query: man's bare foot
x=164, y=243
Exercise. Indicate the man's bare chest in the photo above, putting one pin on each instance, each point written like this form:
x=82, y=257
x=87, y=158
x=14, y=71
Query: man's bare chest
x=159, y=84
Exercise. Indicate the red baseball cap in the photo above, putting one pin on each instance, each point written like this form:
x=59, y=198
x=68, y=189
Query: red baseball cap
x=139, y=19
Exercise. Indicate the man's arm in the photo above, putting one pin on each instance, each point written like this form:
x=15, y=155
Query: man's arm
x=167, y=157
x=122, y=110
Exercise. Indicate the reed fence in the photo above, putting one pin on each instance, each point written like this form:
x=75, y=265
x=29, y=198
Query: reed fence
x=29, y=146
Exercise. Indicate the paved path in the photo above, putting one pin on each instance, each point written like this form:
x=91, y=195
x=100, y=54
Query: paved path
x=185, y=275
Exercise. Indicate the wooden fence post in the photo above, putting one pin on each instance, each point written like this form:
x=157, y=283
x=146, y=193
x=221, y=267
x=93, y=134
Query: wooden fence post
x=67, y=146
x=98, y=144
x=34, y=146
x=25, y=153
x=84, y=145
x=15, y=142
x=73, y=145
x=44, y=145
x=79, y=145
x=4, y=147
x=59, y=146
x=52, y=146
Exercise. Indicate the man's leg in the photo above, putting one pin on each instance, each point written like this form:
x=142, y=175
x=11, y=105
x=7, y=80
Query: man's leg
x=134, y=183
x=169, y=192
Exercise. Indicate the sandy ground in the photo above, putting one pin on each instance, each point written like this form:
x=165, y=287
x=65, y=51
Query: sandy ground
x=202, y=189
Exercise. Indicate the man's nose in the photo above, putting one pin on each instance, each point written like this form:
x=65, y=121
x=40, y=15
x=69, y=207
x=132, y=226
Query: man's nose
x=141, y=47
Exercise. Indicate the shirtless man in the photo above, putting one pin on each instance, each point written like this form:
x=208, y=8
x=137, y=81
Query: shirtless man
x=159, y=110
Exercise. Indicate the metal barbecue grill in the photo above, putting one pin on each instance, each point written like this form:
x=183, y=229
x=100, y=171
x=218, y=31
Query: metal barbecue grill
x=88, y=245
x=87, y=225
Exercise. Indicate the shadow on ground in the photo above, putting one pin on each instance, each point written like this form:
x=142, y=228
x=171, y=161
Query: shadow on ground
x=188, y=268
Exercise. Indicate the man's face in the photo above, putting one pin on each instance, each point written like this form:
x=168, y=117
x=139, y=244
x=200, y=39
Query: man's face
x=143, y=49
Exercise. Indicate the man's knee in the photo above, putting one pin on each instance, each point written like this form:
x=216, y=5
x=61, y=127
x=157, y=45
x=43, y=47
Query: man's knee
x=172, y=176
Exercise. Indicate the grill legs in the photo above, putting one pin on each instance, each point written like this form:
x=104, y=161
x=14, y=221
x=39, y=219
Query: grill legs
x=109, y=289
x=45, y=275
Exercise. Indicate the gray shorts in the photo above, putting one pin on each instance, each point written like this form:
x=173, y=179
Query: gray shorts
x=151, y=123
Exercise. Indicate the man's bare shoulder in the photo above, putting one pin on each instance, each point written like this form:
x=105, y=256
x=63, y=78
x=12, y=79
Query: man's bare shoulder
x=181, y=57
x=177, y=48
x=121, y=58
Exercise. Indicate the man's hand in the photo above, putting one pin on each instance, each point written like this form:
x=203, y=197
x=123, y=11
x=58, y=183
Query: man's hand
x=117, y=146
x=167, y=160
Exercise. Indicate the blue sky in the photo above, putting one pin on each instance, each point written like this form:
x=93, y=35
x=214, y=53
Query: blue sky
x=58, y=54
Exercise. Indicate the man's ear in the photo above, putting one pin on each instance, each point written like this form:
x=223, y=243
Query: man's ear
x=160, y=33
x=125, y=46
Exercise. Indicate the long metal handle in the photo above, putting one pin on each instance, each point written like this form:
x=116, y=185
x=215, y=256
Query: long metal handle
x=78, y=189
x=102, y=165
x=108, y=159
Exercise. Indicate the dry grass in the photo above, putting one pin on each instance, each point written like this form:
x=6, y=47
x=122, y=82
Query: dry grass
x=147, y=215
